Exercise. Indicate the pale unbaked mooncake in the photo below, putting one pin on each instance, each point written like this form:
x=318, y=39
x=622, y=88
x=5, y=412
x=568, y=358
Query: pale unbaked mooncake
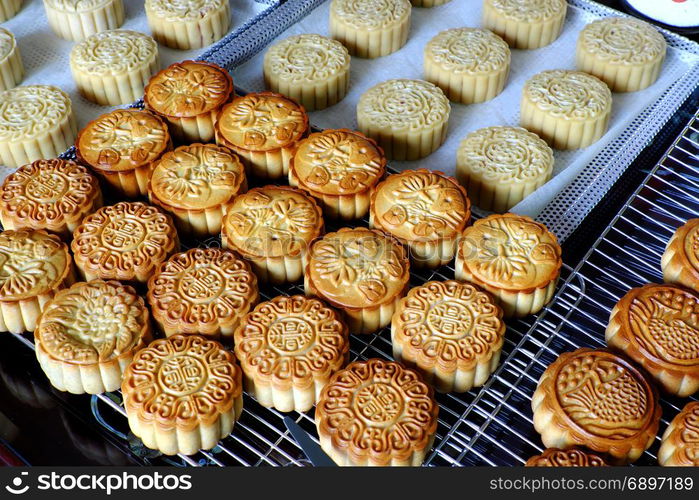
x=525, y=24
x=680, y=444
x=568, y=109
x=11, y=66
x=469, y=64
x=311, y=69
x=407, y=118
x=77, y=19
x=625, y=53
x=188, y=24
x=680, y=261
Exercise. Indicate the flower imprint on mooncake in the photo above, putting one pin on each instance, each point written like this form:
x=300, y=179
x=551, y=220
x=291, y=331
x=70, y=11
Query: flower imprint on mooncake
x=113, y=52
x=528, y=10
x=469, y=50
x=76, y=5
x=184, y=10
x=370, y=14
x=553, y=457
x=28, y=111
x=621, y=40
x=568, y=94
x=307, y=58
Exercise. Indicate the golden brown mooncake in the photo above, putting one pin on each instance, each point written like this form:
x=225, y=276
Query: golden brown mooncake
x=554, y=457
x=425, y=210
x=339, y=168
x=88, y=334
x=450, y=332
x=680, y=261
x=189, y=95
x=289, y=347
x=188, y=24
x=182, y=394
x=272, y=227
x=514, y=258
x=264, y=129
x=54, y=195
x=126, y=242
x=525, y=24
x=657, y=326
x=568, y=109
x=196, y=184
x=376, y=401
x=11, y=65
x=205, y=291
x=680, y=443
x=77, y=19
x=362, y=272
x=596, y=399
x=34, y=265
x=624, y=52
x=121, y=147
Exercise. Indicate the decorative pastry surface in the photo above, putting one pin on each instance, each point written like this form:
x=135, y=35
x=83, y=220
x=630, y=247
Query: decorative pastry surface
x=182, y=381
x=27, y=112
x=529, y=10
x=93, y=322
x=449, y=323
x=31, y=263
x=370, y=14
x=420, y=204
x=123, y=139
x=272, y=221
x=405, y=105
x=262, y=121
x=48, y=193
x=291, y=340
x=377, y=408
x=572, y=95
x=202, y=286
x=358, y=267
x=468, y=51
x=120, y=238
x=553, y=457
x=76, y=5
x=113, y=52
x=680, y=445
x=197, y=176
x=505, y=154
x=7, y=43
x=511, y=252
x=623, y=40
x=188, y=88
x=183, y=10
x=306, y=58
x=338, y=162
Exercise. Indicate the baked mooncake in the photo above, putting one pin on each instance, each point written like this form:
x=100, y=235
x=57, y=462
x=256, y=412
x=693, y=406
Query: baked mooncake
x=624, y=52
x=11, y=66
x=554, y=457
x=88, y=334
x=596, y=399
x=450, y=332
x=113, y=67
x=362, y=272
x=425, y=210
x=680, y=261
x=195, y=184
x=514, y=258
x=370, y=28
x=34, y=265
x=289, y=347
x=377, y=413
x=407, y=118
x=121, y=147
x=188, y=24
x=77, y=19
x=36, y=122
x=469, y=64
x=311, y=69
x=126, y=242
x=568, y=109
x=500, y=166
x=189, y=95
x=182, y=394
x=680, y=443
x=657, y=326
x=9, y=8
x=525, y=24
x=204, y=291
x=339, y=168
x=264, y=129
x=272, y=227
x=54, y=195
